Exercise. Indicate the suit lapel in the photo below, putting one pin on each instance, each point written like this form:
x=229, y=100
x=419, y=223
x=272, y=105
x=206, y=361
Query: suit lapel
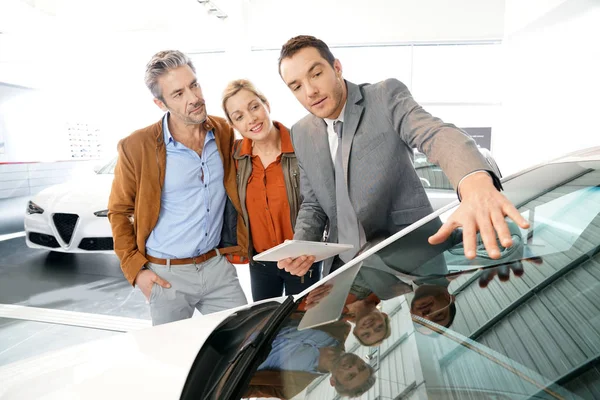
x=322, y=154
x=352, y=116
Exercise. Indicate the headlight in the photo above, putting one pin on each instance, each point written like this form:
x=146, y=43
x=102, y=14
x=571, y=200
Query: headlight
x=103, y=213
x=33, y=208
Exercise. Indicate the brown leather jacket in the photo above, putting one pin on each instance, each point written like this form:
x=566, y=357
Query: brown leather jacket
x=134, y=203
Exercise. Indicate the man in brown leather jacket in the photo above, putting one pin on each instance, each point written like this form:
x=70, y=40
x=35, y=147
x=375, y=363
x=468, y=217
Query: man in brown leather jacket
x=174, y=207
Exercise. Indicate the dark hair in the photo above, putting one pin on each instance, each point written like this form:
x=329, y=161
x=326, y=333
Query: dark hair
x=298, y=43
x=451, y=312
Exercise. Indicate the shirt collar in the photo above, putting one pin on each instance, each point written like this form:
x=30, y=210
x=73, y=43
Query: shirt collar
x=166, y=132
x=170, y=139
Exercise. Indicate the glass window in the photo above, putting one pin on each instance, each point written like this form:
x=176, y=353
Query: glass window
x=558, y=199
x=524, y=326
x=431, y=175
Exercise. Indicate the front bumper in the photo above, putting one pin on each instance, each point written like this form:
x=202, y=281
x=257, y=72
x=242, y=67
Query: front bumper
x=81, y=234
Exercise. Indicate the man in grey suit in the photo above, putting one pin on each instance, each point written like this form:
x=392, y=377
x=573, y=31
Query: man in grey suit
x=369, y=185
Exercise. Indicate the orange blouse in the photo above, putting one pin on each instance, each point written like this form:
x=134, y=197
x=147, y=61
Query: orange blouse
x=266, y=197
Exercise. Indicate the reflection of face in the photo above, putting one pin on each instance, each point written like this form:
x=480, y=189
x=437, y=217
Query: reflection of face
x=350, y=371
x=317, y=86
x=250, y=116
x=182, y=95
x=429, y=299
x=370, y=328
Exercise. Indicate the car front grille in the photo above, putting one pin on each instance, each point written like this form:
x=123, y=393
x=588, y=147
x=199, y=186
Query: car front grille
x=95, y=244
x=43, y=240
x=65, y=225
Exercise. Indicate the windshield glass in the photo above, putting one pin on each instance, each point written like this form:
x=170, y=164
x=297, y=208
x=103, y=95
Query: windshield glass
x=559, y=200
x=424, y=322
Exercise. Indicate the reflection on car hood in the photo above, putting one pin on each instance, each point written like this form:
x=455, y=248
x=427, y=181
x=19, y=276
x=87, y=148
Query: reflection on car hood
x=151, y=364
x=92, y=192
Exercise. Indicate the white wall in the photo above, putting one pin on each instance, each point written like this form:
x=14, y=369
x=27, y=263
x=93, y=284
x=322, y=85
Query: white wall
x=93, y=71
x=457, y=83
x=376, y=21
x=30, y=125
x=551, y=81
x=87, y=62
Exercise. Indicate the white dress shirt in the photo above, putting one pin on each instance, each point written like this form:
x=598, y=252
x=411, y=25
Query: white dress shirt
x=331, y=135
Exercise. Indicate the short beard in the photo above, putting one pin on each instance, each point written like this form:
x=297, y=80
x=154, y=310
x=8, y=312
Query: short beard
x=186, y=119
x=339, y=95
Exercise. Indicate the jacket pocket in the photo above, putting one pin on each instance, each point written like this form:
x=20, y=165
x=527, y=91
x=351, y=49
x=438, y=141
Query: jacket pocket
x=410, y=215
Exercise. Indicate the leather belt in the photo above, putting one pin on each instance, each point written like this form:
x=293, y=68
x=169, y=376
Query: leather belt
x=181, y=261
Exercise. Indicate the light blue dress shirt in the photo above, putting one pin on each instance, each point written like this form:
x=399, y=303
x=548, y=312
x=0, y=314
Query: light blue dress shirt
x=192, y=200
x=294, y=350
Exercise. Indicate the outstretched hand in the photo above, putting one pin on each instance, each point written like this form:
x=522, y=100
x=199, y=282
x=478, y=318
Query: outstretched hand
x=482, y=209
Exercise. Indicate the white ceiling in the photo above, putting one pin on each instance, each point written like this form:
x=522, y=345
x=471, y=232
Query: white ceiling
x=264, y=21
x=43, y=39
x=23, y=16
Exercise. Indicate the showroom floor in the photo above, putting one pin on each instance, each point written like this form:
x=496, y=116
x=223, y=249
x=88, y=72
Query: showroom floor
x=52, y=300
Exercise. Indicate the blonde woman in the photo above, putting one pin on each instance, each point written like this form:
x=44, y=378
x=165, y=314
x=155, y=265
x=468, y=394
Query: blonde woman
x=268, y=186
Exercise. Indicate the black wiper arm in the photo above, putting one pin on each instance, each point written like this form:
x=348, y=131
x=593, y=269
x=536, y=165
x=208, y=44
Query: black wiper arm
x=253, y=342
x=246, y=362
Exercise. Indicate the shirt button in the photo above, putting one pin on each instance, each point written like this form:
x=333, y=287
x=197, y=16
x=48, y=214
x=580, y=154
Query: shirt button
x=206, y=234
x=207, y=210
x=205, y=185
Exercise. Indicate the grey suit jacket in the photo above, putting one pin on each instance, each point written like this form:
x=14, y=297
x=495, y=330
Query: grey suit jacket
x=382, y=124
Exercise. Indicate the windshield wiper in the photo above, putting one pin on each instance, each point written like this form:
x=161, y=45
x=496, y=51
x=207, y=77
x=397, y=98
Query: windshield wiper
x=239, y=332
x=253, y=353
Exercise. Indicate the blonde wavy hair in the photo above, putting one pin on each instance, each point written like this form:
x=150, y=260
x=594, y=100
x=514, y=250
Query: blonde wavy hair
x=234, y=88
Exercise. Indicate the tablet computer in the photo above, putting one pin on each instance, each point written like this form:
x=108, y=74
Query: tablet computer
x=297, y=248
x=330, y=308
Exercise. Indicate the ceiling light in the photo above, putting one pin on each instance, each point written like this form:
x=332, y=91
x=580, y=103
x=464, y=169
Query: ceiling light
x=213, y=9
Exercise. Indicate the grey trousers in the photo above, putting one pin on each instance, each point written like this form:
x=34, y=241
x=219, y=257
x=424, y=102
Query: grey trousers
x=209, y=287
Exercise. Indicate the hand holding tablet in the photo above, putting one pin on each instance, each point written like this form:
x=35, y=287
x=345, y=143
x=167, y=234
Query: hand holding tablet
x=296, y=248
x=297, y=256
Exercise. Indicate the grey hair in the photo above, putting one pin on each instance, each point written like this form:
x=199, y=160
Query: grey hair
x=160, y=64
x=357, y=391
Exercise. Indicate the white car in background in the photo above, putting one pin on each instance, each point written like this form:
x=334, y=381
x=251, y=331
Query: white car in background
x=72, y=217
